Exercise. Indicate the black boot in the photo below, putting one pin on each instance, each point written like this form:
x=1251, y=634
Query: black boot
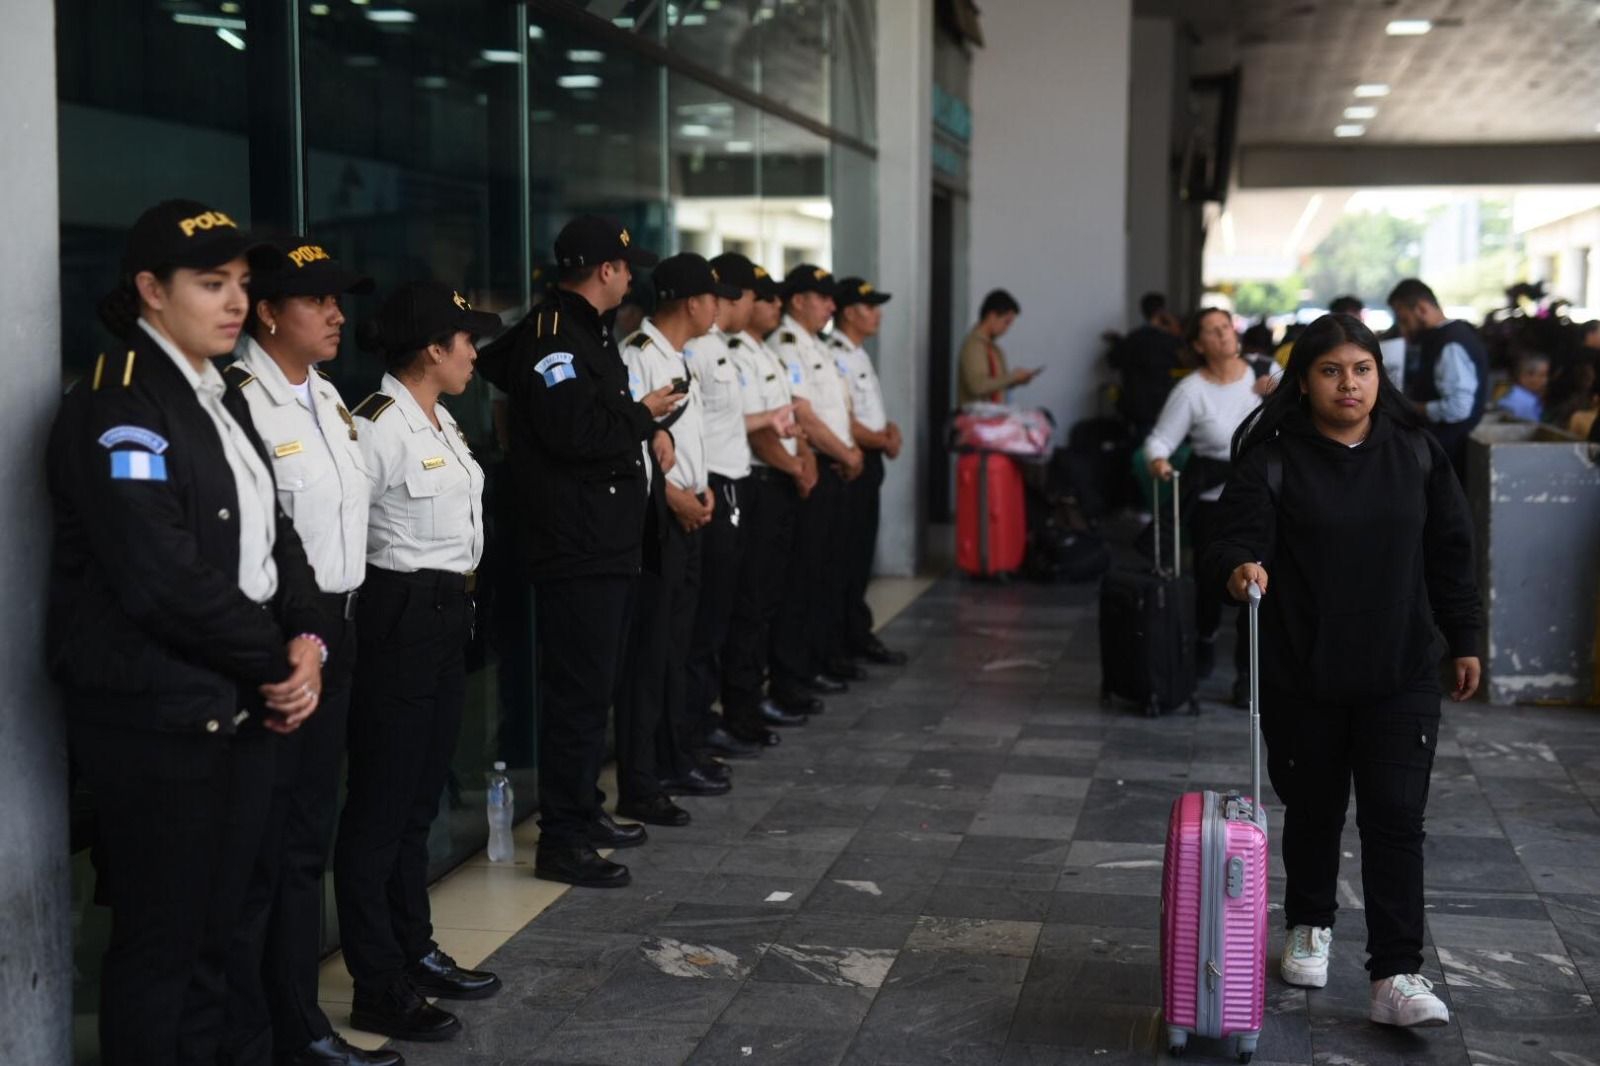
x=437, y=974
x=578, y=864
x=400, y=1012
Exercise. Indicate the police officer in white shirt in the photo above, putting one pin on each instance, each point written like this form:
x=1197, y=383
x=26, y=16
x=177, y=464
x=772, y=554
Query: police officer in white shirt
x=413, y=622
x=807, y=641
x=858, y=313
x=783, y=472
x=652, y=758
x=296, y=323
x=725, y=387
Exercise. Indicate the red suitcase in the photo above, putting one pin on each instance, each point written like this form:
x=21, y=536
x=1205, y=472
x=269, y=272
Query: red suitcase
x=991, y=522
x=1214, y=903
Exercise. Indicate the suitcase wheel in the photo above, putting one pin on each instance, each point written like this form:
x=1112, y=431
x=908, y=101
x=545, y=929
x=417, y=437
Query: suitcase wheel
x=1177, y=1040
x=1246, y=1056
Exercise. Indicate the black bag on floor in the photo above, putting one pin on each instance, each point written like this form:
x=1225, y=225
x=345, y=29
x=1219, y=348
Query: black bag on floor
x=1147, y=638
x=1098, y=458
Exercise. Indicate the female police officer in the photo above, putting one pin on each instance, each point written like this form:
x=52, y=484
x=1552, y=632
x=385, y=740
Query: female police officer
x=296, y=323
x=415, y=616
x=182, y=622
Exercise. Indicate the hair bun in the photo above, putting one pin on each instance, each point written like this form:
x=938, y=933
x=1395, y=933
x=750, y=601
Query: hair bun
x=369, y=336
x=118, y=311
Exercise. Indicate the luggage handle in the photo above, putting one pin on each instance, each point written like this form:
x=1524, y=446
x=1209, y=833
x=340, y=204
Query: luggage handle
x=1177, y=526
x=1254, y=591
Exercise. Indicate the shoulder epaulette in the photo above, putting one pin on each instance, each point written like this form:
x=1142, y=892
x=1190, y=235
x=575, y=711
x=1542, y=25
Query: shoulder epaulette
x=105, y=364
x=837, y=342
x=237, y=375
x=373, y=406
x=639, y=340
x=735, y=341
x=546, y=320
x=786, y=337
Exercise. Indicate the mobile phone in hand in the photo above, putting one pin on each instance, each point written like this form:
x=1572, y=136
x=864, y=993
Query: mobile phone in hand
x=680, y=386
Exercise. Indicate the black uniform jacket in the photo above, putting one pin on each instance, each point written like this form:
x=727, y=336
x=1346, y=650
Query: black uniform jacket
x=147, y=626
x=575, y=436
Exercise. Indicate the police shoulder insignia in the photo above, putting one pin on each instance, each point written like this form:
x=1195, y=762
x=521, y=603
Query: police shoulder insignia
x=735, y=342
x=102, y=364
x=237, y=375
x=786, y=337
x=556, y=368
x=639, y=340
x=373, y=406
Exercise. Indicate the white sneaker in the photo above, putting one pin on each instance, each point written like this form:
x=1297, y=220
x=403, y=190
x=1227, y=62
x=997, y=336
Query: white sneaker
x=1305, y=956
x=1407, y=999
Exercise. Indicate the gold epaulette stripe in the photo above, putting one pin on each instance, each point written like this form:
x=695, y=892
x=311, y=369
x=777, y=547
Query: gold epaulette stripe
x=127, y=370
x=99, y=368
x=555, y=324
x=538, y=325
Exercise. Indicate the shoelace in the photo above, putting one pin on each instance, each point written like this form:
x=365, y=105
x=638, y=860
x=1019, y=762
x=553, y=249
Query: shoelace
x=1305, y=940
x=1412, y=984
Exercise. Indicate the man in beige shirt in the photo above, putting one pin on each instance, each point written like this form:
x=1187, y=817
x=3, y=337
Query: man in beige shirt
x=982, y=374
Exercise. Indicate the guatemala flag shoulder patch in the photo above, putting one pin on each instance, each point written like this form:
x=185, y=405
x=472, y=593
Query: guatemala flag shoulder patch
x=556, y=368
x=138, y=466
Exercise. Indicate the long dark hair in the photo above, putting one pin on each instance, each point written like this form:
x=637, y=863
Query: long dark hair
x=1320, y=338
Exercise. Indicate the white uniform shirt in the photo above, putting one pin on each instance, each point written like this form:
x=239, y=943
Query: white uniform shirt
x=722, y=388
x=252, y=481
x=321, y=475
x=654, y=363
x=427, y=489
x=824, y=385
x=766, y=382
x=866, y=395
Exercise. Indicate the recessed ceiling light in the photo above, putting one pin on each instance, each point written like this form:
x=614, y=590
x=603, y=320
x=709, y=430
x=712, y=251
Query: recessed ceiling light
x=214, y=22
x=739, y=147
x=501, y=55
x=231, y=38
x=231, y=8
x=393, y=16
x=579, y=81
x=1372, y=89
x=695, y=129
x=696, y=19
x=623, y=22
x=585, y=55
x=320, y=9
x=1408, y=27
x=1361, y=111
x=535, y=33
x=1350, y=130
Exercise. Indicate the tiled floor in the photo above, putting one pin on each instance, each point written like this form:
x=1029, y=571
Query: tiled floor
x=959, y=863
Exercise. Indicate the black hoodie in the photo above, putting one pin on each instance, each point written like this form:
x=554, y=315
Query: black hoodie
x=1365, y=557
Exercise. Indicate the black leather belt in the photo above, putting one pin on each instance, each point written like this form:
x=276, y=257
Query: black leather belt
x=340, y=604
x=767, y=473
x=440, y=580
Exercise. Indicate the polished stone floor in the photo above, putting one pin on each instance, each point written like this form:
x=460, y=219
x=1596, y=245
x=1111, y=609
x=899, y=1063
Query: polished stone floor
x=960, y=863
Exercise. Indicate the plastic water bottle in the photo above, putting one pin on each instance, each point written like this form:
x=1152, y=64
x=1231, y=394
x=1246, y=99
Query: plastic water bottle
x=501, y=803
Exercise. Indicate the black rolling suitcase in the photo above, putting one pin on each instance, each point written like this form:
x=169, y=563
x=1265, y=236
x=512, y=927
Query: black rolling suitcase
x=1147, y=629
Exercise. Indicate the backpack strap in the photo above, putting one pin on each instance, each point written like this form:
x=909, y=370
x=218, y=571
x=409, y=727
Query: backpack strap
x=1419, y=447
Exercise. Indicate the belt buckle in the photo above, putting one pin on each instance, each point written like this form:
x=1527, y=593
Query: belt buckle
x=470, y=580
x=350, y=604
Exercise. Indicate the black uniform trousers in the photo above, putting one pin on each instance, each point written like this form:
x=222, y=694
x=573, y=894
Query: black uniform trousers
x=582, y=624
x=808, y=628
x=767, y=514
x=1386, y=747
x=861, y=515
x=721, y=554
x=274, y=1004
x=405, y=714
x=180, y=818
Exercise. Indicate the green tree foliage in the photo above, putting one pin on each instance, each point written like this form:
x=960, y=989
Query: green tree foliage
x=1254, y=299
x=1364, y=254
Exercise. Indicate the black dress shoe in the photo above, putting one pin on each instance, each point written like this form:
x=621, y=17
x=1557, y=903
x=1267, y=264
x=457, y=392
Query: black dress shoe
x=774, y=715
x=607, y=832
x=697, y=783
x=762, y=736
x=845, y=670
x=332, y=1050
x=721, y=742
x=657, y=810
x=713, y=769
x=798, y=702
x=874, y=651
x=828, y=686
x=403, y=1014
x=437, y=974
x=577, y=864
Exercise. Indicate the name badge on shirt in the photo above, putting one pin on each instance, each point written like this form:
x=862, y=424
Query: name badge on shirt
x=433, y=464
x=294, y=447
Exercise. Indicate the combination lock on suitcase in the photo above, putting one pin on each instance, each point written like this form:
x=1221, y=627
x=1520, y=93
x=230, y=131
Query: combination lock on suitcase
x=1214, y=903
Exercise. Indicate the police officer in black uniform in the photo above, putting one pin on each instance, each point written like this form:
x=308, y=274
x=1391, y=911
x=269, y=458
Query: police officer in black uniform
x=183, y=627
x=579, y=446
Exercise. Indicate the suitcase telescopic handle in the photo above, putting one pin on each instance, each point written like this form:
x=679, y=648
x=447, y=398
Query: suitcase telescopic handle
x=1254, y=591
x=1177, y=526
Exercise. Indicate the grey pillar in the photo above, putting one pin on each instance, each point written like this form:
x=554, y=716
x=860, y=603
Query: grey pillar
x=35, y=932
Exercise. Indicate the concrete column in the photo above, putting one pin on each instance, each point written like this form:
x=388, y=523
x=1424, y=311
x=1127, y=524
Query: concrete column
x=1150, y=100
x=1049, y=185
x=905, y=198
x=35, y=931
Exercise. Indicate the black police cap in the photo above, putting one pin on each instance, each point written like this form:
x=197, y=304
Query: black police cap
x=736, y=270
x=419, y=312
x=686, y=274
x=807, y=278
x=183, y=233
x=766, y=285
x=295, y=266
x=857, y=291
x=590, y=240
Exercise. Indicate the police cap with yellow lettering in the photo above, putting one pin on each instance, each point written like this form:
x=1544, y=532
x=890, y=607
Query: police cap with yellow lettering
x=807, y=278
x=295, y=266
x=857, y=291
x=590, y=240
x=183, y=233
x=420, y=312
x=736, y=270
x=686, y=274
x=766, y=285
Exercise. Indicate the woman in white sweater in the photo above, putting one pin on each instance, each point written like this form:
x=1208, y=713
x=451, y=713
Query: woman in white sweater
x=1205, y=408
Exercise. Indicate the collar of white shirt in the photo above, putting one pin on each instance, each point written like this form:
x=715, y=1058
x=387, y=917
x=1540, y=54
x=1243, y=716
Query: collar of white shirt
x=796, y=328
x=412, y=411
x=204, y=381
x=273, y=380
x=649, y=329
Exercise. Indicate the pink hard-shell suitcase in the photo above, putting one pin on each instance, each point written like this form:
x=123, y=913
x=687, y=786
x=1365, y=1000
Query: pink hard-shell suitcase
x=1214, y=902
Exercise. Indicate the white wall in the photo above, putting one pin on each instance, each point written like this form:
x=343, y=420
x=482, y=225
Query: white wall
x=1049, y=185
x=35, y=936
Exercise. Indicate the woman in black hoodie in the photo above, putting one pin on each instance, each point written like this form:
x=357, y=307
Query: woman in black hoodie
x=1356, y=514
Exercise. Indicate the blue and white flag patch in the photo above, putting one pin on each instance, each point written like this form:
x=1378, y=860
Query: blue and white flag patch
x=556, y=368
x=635, y=384
x=144, y=438
x=138, y=466
x=794, y=373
